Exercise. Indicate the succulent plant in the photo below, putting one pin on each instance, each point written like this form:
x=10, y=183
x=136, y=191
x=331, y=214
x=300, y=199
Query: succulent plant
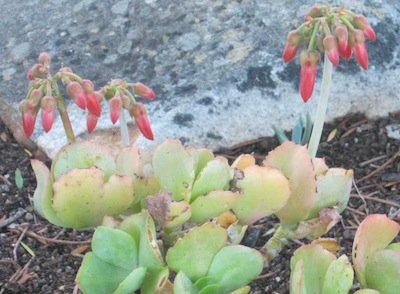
x=86, y=182
x=376, y=261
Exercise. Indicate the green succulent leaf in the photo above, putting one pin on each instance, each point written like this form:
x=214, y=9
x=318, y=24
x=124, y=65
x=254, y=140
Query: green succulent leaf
x=212, y=205
x=115, y=247
x=235, y=266
x=96, y=276
x=194, y=253
x=264, y=190
x=183, y=285
x=216, y=175
x=19, y=180
x=128, y=162
x=297, y=284
x=42, y=198
x=367, y=291
x=174, y=169
x=132, y=282
x=243, y=290
x=295, y=163
x=178, y=214
x=374, y=233
x=316, y=261
x=339, y=277
x=382, y=271
x=83, y=155
x=211, y=289
x=201, y=157
x=155, y=281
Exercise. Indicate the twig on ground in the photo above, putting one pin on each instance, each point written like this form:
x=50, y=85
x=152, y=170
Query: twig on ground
x=5, y=180
x=16, y=245
x=364, y=163
x=355, y=211
x=359, y=194
x=10, y=220
x=351, y=129
x=380, y=168
x=388, y=202
x=57, y=241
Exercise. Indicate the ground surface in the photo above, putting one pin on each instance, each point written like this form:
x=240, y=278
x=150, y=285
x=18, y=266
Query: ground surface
x=359, y=143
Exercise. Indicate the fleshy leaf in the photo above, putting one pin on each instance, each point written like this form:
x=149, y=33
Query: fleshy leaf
x=183, y=285
x=178, y=214
x=367, y=291
x=42, y=198
x=115, y=247
x=155, y=281
x=132, y=282
x=83, y=155
x=297, y=284
x=374, y=233
x=201, y=157
x=212, y=205
x=382, y=271
x=174, y=169
x=295, y=163
x=128, y=162
x=244, y=161
x=214, y=176
x=264, y=190
x=235, y=266
x=194, y=253
x=339, y=277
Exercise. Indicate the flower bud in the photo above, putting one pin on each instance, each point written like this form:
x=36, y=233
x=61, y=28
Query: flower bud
x=36, y=97
x=48, y=106
x=93, y=104
x=115, y=108
x=315, y=11
x=138, y=112
x=44, y=58
x=331, y=47
x=75, y=91
x=143, y=91
x=91, y=122
x=343, y=36
x=87, y=86
x=362, y=23
x=29, y=113
x=308, y=73
x=34, y=72
x=126, y=101
x=360, y=50
x=293, y=42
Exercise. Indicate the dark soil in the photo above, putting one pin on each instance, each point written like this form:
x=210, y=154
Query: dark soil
x=359, y=143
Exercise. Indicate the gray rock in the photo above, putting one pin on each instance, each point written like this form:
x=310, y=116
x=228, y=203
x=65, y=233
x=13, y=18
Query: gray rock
x=215, y=65
x=393, y=131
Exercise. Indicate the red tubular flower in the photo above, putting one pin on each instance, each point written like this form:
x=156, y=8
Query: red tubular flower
x=362, y=23
x=331, y=47
x=292, y=44
x=48, y=106
x=343, y=36
x=138, y=112
x=143, y=91
x=91, y=122
x=360, y=50
x=75, y=90
x=308, y=73
x=115, y=108
x=346, y=54
x=29, y=114
x=93, y=104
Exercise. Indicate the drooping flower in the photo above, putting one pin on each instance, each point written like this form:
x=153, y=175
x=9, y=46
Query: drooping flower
x=342, y=35
x=308, y=73
x=143, y=91
x=91, y=122
x=29, y=113
x=331, y=47
x=48, y=111
x=362, y=23
x=93, y=104
x=115, y=108
x=139, y=113
x=75, y=90
x=360, y=50
x=292, y=44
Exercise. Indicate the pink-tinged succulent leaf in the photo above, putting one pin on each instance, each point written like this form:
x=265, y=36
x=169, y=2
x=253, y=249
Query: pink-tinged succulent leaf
x=382, y=271
x=339, y=276
x=76, y=92
x=139, y=113
x=362, y=23
x=308, y=73
x=292, y=44
x=42, y=198
x=331, y=47
x=244, y=161
x=360, y=50
x=374, y=233
x=143, y=91
x=91, y=122
x=264, y=190
x=316, y=261
x=48, y=105
x=320, y=167
x=174, y=169
x=93, y=104
x=195, y=251
x=115, y=108
x=295, y=163
x=129, y=163
x=216, y=175
x=212, y=205
x=342, y=35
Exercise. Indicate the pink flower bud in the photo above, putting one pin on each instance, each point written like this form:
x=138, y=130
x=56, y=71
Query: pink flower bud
x=36, y=97
x=360, y=50
x=93, y=104
x=308, y=73
x=48, y=106
x=75, y=90
x=34, y=72
x=87, y=86
x=331, y=47
x=143, y=91
x=44, y=58
x=343, y=36
x=362, y=23
x=346, y=54
x=292, y=44
x=138, y=112
x=29, y=114
x=91, y=122
x=115, y=108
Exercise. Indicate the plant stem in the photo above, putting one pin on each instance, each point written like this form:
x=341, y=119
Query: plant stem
x=322, y=107
x=69, y=132
x=124, y=128
x=274, y=245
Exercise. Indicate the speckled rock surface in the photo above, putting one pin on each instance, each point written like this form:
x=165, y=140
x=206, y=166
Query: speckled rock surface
x=215, y=65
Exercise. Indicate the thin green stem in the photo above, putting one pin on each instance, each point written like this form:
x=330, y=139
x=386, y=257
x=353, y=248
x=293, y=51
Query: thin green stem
x=69, y=132
x=322, y=107
x=313, y=40
x=274, y=245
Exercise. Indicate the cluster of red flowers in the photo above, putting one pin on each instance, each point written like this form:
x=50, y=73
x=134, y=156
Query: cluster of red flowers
x=44, y=95
x=336, y=31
